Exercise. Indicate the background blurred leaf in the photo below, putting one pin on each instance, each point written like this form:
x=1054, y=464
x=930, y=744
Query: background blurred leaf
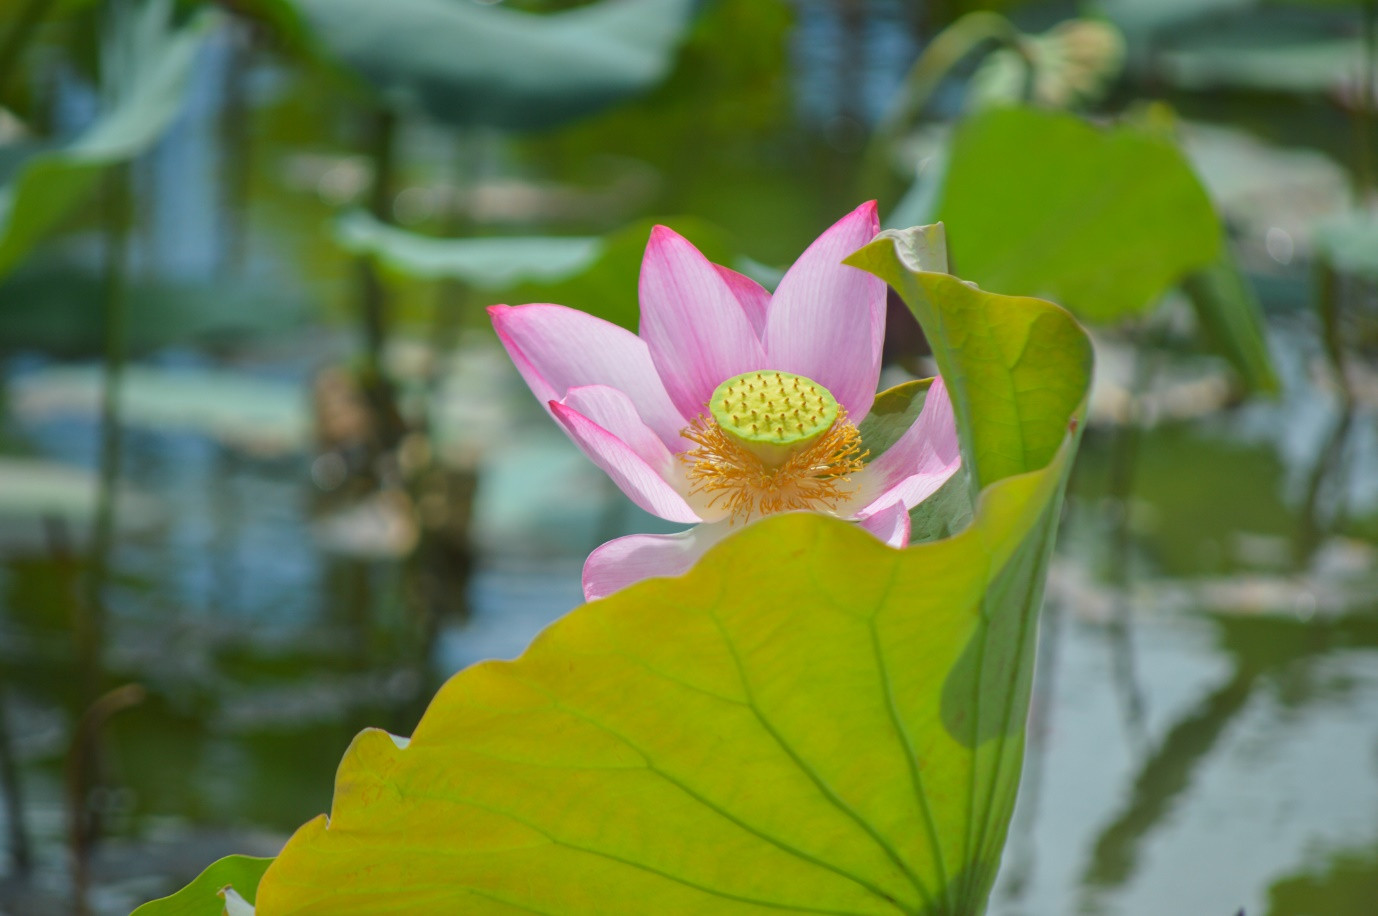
x=263, y=416
x=727, y=101
x=608, y=288
x=57, y=297
x=594, y=274
x=1267, y=47
x=34, y=490
x=746, y=738
x=282, y=17
x=1348, y=242
x=1318, y=66
x=466, y=64
x=485, y=263
x=152, y=77
x=1103, y=221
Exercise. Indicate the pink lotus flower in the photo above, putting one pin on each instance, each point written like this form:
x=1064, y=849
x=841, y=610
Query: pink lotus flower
x=732, y=403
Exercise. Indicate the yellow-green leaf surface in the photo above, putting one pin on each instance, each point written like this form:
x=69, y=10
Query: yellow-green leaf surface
x=202, y=896
x=808, y=721
x=1011, y=364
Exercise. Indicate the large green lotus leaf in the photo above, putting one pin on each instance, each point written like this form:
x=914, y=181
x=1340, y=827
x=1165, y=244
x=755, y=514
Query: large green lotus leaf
x=1101, y=220
x=808, y=721
x=152, y=76
x=202, y=896
x=470, y=64
x=996, y=354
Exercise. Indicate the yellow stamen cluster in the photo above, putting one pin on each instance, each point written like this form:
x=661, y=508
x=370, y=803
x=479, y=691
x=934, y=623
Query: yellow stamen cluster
x=811, y=477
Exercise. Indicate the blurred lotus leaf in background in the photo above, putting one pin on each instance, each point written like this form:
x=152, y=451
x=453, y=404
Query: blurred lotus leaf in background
x=467, y=64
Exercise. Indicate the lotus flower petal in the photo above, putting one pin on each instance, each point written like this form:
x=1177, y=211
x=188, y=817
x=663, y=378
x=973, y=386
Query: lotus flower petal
x=827, y=320
x=627, y=469
x=637, y=405
x=614, y=411
x=557, y=348
x=697, y=330
x=889, y=523
x=629, y=559
x=918, y=463
x=754, y=298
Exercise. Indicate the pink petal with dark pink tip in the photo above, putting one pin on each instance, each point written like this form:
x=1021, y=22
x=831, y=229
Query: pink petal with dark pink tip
x=697, y=331
x=633, y=476
x=827, y=320
x=889, y=523
x=626, y=561
x=754, y=298
x=557, y=348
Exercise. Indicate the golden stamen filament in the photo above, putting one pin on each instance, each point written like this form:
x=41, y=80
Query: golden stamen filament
x=814, y=477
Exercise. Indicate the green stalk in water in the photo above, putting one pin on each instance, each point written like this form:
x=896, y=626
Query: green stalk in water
x=118, y=211
x=1363, y=119
x=372, y=294
x=21, y=850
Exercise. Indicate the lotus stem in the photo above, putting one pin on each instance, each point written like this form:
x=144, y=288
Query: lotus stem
x=1328, y=306
x=83, y=760
x=118, y=211
x=21, y=850
x=1329, y=466
x=372, y=294
x=947, y=49
x=1363, y=146
x=236, y=156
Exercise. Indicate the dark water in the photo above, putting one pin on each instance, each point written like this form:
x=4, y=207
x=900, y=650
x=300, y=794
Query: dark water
x=1203, y=738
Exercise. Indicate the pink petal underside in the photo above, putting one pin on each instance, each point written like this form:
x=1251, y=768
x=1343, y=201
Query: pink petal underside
x=557, y=348
x=827, y=320
x=628, y=560
x=697, y=331
x=754, y=298
x=889, y=523
x=918, y=463
x=633, y=476
x=614, y=411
